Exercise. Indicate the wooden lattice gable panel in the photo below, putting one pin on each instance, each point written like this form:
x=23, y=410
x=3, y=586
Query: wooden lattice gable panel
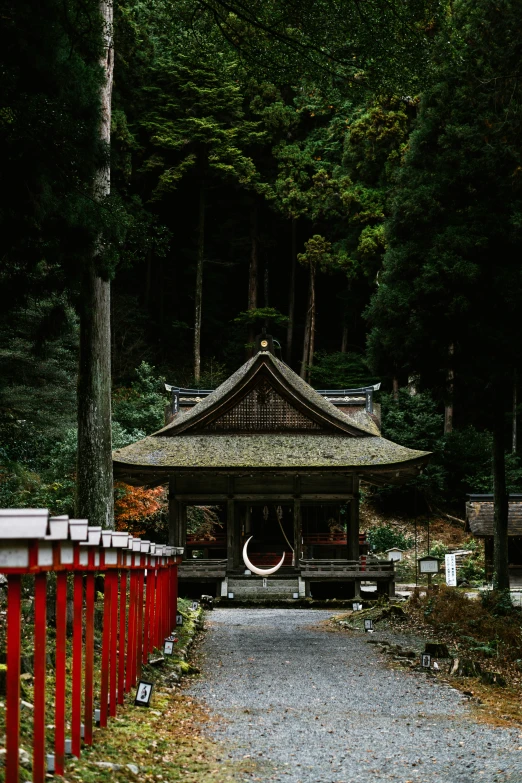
x=263, y=409
x=264, y=395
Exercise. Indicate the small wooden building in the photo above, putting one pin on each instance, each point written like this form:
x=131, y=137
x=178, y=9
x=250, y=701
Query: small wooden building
x=480, y=522
x=278, y=462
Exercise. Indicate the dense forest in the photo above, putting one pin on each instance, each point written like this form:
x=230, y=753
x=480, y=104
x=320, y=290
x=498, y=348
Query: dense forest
x=176, y=176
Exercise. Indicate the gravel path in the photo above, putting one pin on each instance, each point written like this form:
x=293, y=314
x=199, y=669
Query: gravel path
x=318, y=707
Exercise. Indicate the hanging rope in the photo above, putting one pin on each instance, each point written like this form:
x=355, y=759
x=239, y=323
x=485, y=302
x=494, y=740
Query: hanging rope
x=279, y=515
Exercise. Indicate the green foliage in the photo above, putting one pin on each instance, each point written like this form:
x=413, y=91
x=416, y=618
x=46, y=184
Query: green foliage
x=142, y=407
x=497, y=602
x=385, y=537
x=471, y=570
x=438, y=549
x=340, y=371
x=196, y=120
x=212, y=375
x=316, y=254
x=259, y=314
x=458, y=204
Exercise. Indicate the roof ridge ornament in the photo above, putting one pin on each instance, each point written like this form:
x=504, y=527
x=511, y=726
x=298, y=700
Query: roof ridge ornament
x=264, y=342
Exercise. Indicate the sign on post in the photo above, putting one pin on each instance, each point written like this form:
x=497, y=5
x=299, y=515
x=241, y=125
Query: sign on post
x=426, y=661
x=451, y=570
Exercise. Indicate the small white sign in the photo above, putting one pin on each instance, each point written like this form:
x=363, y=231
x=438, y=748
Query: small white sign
x=451, y=570
x=368, y=625
x=426, y=661
x=265, y=583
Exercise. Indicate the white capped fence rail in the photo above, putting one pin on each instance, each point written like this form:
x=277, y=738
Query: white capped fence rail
x=139, y=612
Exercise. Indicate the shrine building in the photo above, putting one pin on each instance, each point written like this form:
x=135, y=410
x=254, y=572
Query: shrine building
x=277, y=466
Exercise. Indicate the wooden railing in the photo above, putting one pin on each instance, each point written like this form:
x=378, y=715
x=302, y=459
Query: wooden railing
x=350, y=568
x=216, y=541
x=203, y=566
x=139, y=611
x=330, y=539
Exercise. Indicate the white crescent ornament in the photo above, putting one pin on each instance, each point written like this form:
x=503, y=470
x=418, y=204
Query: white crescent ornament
x=260, y=571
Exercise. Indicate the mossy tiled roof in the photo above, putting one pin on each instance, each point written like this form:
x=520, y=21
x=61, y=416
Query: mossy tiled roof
x=342, y=443
x=267, y=450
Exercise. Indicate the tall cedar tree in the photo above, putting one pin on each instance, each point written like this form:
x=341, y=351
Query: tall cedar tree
x=450, y=295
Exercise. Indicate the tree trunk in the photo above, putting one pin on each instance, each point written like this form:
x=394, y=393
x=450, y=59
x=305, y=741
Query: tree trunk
x=94, y=489
x=344, y=340
x=291, y=294
x=448, y=408
x=311, y=349
x=266, y=289
x=514, y=422
x=308, y=340
x=500, y=557
x=198, y=298
x=253, y=272
x=395, y=383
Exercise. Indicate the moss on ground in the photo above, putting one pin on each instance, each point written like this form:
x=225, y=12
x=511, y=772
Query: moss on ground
x=165, y=741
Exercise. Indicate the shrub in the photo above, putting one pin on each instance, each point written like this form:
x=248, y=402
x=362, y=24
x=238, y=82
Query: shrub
x=340, y=371
x=385, y=537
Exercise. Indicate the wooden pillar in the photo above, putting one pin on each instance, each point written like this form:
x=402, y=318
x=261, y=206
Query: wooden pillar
x=231, y=534
x=352, y=534
x=183, y=528
x=298, y=533
x=238, y=559
x=174, y=515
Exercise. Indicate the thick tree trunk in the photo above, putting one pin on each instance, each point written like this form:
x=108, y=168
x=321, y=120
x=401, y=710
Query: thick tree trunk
x=198, y=298
x=94, y=468
x=308, y=341
x=291, y=294
x=94, y=492
x=448, y=408
x=253, y=272
x=500, y=557
x=514, y=422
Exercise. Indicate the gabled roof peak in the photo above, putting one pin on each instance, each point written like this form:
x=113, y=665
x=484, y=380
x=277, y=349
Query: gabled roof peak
x=265, y=395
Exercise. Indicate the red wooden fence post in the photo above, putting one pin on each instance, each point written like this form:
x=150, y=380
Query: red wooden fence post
x=12, y=720
x=114, y=643
x=106, y=639
x=77, y=664
x=131, y=633
x=40, y=669
x=174, y=593
x=89, y=651
x=59, y=710
x=146, y=624
x=139, y=639
x=152, y=609
x=121, y=641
